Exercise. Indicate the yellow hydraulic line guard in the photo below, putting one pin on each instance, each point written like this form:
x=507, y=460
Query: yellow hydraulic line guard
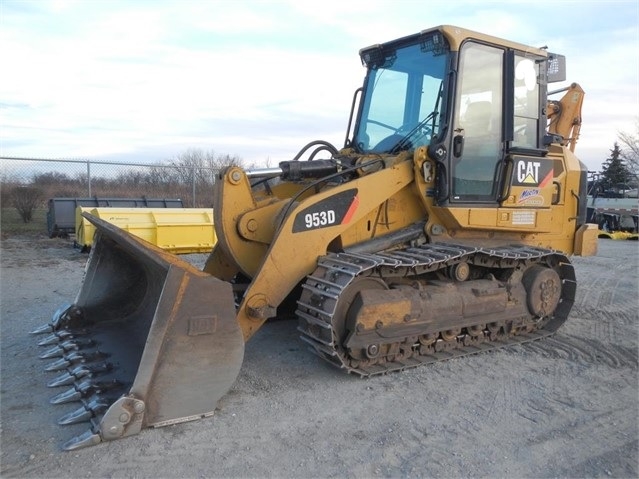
x=176, y=230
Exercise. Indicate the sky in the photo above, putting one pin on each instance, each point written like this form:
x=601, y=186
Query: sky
x=145, y=81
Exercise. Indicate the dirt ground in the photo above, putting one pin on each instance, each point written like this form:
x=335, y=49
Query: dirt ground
x=566, y=406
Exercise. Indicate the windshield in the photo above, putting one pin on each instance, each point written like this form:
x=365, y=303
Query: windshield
x=402, y=103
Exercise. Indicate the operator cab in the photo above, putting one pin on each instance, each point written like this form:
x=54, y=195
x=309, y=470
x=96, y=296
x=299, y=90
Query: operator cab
x=474, y=102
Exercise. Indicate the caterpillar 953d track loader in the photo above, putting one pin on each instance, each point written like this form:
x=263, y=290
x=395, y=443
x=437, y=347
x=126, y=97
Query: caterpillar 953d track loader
x=443, y=227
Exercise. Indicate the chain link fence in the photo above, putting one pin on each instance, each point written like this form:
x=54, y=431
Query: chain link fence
x=193, y=184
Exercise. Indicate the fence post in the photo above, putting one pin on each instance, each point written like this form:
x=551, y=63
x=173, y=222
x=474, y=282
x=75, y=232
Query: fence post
x=193, y=176
x=89, y=176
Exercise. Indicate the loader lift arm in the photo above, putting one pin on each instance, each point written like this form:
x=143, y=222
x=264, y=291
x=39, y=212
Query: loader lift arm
x=564, y=115
x=297, y=237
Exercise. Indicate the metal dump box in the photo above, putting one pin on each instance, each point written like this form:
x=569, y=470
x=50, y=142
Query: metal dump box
x=61, y=213
x=176, y=230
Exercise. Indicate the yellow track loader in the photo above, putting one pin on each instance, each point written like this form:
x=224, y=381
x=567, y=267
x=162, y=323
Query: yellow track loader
x=443, y=227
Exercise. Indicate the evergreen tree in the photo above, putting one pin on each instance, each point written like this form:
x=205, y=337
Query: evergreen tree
x=614, y=170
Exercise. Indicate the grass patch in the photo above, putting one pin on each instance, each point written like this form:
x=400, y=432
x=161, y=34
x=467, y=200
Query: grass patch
x=12, y=224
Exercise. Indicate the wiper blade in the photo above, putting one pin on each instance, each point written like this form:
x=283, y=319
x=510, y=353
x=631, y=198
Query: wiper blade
x=405, y=142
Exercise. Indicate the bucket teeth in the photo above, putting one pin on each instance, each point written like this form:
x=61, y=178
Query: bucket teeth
x=45, y=328
x=84, y=389
x=81, y=414
x=75, y=358
x=54, y=324
x=79, y=372
x=63, y=348
x=89, y=410
x=62, y=335
x=65, y=317
x=89, y=438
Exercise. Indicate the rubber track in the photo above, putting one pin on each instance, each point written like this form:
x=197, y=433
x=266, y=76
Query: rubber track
x=336, y=271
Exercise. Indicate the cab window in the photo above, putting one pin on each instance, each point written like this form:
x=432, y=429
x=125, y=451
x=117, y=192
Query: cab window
x=478, y=120
x=526, y=103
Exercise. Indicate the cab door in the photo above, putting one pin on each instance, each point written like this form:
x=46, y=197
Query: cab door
x=478, y=146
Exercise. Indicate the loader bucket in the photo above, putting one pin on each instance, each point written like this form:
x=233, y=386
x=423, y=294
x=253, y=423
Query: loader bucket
x=149, y=341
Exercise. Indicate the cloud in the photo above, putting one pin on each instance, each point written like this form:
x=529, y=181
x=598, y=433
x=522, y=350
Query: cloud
x=261, y=79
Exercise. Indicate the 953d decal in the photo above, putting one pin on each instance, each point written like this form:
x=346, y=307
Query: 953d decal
x=334, y=210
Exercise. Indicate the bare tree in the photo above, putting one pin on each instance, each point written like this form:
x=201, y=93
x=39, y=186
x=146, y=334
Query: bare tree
x=197, y=168
x=630, y=149
x=26, y=199
x=203, y=164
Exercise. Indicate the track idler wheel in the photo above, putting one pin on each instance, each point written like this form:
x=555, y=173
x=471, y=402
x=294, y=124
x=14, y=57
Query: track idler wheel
x=543, y=288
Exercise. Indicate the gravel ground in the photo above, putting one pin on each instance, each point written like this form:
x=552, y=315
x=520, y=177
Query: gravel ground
x=566, y=406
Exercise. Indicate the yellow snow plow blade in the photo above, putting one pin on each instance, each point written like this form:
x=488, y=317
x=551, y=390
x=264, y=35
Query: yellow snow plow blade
x=176, y=230
x=149, y=341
